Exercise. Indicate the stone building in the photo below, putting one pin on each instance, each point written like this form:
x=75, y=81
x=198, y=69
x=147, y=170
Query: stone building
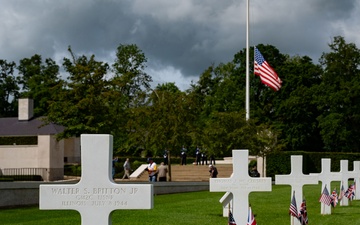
x=37, y=151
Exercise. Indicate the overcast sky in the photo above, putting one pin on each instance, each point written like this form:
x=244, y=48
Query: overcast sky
x=180, y=38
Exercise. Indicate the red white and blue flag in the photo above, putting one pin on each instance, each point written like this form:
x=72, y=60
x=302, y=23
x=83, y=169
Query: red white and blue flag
x=325, y=197
x=303, y=218
x=334, y=198
x=350, y=192
x=231, y=219
x=251, y=219
x=342, y=192
x=293, y=207
x=267, y=74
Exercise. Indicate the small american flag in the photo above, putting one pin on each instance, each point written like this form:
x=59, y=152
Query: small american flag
x=342, y=193
x=231, y=219
x=325, y=197
x=251, y=218
x=293, y=208
x=334, y=198
x=267, y=74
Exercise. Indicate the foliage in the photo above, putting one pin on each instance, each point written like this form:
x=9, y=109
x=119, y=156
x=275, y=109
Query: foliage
x=280, y=163
x=40, y=81
x=8, y=89
x=317, y=108
x=339, y=97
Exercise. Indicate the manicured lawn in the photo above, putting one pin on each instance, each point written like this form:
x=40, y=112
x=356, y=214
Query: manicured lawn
x=270, y=208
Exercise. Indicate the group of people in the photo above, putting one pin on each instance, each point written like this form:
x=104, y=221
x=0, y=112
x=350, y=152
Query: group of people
x=160, y=173
x=200, y=157
x=157, y=173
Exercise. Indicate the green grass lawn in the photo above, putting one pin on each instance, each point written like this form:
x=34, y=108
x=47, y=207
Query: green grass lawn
x=270, y=208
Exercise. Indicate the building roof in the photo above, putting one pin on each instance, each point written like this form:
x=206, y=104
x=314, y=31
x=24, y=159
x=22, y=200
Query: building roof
x=12, y=126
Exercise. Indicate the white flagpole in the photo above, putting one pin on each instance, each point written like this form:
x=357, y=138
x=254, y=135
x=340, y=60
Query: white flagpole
x=247, y=107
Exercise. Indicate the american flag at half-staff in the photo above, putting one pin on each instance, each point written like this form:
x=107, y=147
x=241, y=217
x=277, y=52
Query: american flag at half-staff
x=267, y=74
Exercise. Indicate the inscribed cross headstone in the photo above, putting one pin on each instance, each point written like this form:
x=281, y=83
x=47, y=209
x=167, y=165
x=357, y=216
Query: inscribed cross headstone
x=346, y=175
x=357, y=178
x=95, y=196
x=326, y=177
x=240, y=184
x=296, y=179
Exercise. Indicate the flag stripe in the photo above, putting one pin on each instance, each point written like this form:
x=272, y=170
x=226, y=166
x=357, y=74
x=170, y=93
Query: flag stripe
x=293, y=208
x=267, y=74
x=325, y=197
x=251, y=218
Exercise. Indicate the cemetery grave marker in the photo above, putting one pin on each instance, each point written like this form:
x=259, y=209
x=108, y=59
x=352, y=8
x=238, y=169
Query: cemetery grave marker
x=326, y=177
x=346, y=175
x=95, y=196
x=357, y=178
x=240, y=184
x=296, y=179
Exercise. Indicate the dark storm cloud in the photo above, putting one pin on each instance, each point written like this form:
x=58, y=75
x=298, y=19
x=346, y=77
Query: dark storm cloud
x=179, y=38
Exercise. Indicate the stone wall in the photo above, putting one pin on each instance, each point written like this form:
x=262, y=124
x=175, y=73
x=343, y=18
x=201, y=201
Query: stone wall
x=19, y=194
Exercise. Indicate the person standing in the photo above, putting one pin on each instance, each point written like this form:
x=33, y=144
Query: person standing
x=152, y=170
x=204, y=158
x=198, y=156
x=213, y=171
x=127, y=169
x=212, y=159
x=183, y=156
x=166, y=160
x=163, y=170
x=113, y=166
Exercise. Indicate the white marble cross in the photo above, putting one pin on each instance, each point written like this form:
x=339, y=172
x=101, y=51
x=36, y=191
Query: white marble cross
x=346, y=175
x=357, y=178
x=326, y=177
x=95, y=196
x=296, y=179
x=240, y=184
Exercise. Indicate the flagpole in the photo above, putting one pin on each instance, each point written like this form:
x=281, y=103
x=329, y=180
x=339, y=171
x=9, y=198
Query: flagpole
x=247, y=102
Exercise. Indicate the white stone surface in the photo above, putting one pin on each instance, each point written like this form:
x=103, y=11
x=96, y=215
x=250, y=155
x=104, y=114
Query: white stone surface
x=226, y=201
x=357, y=178
x=326, y=177
x=346, y=175
x=26, y=108
x=96, y=195
x=296, y=179
x=240, y=184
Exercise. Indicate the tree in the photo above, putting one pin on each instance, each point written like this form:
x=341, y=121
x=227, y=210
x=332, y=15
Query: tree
x=81, y=107
x=338, y=97
x=9, y=89
x=128, y=89
x=167, y=121
x=40, y=81
x=296, y=112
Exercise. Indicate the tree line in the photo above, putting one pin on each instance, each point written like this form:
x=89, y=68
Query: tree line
x=317, y=108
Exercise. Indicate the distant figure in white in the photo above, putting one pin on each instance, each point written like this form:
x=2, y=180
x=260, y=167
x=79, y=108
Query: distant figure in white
x=127, y=169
